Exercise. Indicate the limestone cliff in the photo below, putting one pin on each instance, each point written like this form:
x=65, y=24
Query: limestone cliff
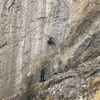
x=75, y=27
x=78, y=56
x=24, y=25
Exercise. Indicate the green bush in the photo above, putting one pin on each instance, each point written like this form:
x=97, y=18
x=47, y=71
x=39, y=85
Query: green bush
x=29, y=93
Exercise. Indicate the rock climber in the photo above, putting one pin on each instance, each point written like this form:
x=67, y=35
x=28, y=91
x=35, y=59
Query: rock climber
x=42, y=73
x=49, y=40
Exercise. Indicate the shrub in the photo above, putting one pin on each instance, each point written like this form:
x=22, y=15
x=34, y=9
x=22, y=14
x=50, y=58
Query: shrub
x=29, y=93
x=97, y=95
x=48, y=97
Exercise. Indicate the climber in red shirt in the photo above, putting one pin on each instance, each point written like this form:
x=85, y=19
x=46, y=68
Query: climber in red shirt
x=49, y=40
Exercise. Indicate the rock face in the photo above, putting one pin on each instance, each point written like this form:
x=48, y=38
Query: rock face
x=82, y=41
x=78, y=55
x=74, y=84
x=24, y=25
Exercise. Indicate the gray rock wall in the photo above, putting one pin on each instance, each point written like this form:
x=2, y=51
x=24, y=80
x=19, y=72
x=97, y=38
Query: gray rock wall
x=78, y=56
x=23, y=27
x=82, y=41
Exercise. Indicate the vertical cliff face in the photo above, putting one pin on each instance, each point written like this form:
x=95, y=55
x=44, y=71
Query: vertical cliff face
x=81, y=42
x=75, y=28
x=77, y=58
x=24, y=25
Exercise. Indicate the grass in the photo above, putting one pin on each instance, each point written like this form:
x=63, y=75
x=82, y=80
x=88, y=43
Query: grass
x=93, y=82
x=97, y=95
x=48, y=97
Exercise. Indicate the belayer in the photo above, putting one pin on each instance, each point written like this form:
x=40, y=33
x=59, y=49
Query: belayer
x=42, y=73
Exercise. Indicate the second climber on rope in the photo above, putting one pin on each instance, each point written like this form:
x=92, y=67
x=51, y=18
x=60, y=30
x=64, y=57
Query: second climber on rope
x=50, y=41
